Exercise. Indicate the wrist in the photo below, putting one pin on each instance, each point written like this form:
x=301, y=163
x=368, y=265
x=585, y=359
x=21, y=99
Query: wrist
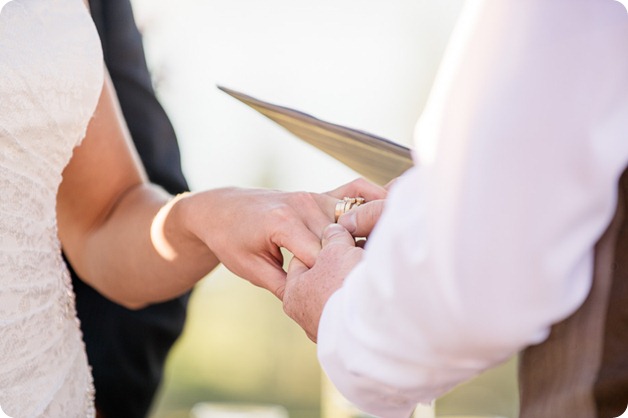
x=172, y=230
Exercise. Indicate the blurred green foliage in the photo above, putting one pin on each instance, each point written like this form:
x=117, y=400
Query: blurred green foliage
x=238, y=346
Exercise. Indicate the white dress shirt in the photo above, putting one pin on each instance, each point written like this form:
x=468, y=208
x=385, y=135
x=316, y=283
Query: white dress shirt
x=489, y=241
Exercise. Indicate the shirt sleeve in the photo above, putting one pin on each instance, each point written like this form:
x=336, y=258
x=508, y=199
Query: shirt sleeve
x=489, y=240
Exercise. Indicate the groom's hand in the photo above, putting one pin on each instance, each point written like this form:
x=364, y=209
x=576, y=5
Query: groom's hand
x=360, y=221
x=308, y=289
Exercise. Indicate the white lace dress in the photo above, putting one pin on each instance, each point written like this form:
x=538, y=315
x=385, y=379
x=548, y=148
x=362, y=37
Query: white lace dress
x=51, y=74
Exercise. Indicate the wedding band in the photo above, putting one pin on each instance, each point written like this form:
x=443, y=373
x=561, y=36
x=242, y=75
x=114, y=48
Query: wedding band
x=346, y=204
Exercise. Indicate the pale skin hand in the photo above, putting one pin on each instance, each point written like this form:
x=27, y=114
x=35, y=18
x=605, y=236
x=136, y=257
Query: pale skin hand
x=134, y=244
x=361, y=220
x=308, y=289
x=246, y=228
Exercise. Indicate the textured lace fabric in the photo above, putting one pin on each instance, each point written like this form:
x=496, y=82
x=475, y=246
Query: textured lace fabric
x=51, y=74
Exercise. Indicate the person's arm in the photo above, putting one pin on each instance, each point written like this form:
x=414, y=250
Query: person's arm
x=128, y=240
x=489, y=241
x=101, y=184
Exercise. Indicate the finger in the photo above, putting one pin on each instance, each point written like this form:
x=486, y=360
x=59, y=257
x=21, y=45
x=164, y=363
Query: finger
x=327, y=204
x=321, y=214
x=359, y=188
x=274, y=282
x=271, y=278
x=297, y=238
x=296, y=268
x=361, y=220
x=336, y=234
x=314, y=210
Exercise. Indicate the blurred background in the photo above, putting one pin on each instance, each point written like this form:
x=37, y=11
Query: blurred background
x=367, y=64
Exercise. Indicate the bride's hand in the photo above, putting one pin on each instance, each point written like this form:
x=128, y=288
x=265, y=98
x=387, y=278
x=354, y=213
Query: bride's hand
x=245, y=228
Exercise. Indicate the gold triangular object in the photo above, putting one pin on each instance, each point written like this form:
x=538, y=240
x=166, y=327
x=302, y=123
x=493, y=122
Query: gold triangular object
x=373, y=157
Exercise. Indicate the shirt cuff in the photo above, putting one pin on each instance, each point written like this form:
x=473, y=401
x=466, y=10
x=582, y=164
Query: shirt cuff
x=370, y=396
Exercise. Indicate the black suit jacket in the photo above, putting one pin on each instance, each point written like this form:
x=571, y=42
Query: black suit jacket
x=127, y=349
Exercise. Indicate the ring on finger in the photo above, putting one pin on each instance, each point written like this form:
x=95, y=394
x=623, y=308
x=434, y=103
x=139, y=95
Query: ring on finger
x=345, y=205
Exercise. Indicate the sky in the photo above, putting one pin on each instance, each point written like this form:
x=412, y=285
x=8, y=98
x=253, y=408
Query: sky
x=366, y=64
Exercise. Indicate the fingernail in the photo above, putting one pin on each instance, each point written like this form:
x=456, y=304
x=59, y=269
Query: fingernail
x=349, y=222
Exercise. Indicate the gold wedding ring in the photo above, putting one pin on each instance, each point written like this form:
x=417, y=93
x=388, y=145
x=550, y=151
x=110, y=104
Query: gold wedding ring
x=346, y=204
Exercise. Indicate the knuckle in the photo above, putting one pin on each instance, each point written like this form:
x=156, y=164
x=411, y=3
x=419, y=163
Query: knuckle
x=356, y=185
x=365, y=184
x=280, y=292
x=303, y=200
x=281, y=213
x=361, y=181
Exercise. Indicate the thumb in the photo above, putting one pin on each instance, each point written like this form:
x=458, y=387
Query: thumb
x=360, y=221
x=337, y=234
